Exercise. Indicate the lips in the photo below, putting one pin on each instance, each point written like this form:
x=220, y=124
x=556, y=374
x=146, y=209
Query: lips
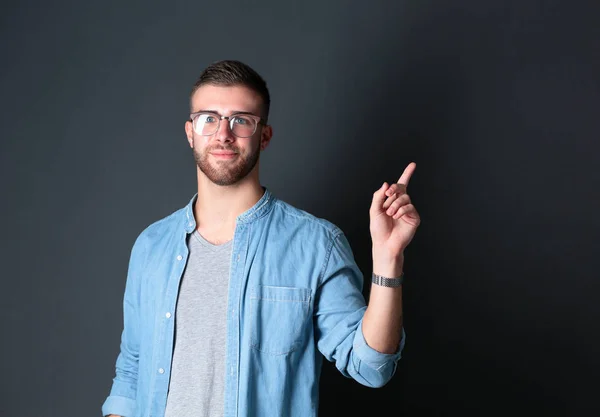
x=222, y=152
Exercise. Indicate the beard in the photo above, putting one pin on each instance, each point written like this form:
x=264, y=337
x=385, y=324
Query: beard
x=226, y=172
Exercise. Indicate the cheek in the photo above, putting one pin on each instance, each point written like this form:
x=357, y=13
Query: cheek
x=248, y=148
x=200, y=142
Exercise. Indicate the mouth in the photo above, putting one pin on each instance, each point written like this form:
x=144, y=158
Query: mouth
x=223, y=154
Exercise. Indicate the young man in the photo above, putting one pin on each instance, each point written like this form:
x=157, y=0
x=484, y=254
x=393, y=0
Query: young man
x=232, y=301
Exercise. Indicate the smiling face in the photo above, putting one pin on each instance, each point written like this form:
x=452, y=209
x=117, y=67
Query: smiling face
x=222, y=157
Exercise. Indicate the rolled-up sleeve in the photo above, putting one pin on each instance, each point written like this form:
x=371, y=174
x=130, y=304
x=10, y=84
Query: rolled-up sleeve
x=375, y=367
x=338, y=313
x=122, y=398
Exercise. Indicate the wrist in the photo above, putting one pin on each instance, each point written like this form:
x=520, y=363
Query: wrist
x=387, y=265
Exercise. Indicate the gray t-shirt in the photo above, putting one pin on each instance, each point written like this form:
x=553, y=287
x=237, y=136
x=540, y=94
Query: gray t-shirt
x=197, y=383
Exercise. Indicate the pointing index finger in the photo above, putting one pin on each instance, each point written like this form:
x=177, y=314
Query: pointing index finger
x=408, y=171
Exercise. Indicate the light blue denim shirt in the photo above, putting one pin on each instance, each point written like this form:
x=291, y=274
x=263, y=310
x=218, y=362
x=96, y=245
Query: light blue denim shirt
x=294, y=297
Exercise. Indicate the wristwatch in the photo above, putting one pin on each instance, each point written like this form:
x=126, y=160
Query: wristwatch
x=387, y=282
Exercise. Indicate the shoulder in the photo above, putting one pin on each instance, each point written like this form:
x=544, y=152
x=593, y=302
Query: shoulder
x=294, y=217
x=161, y=229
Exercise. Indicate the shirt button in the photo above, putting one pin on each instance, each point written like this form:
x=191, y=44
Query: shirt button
x=168, y=315
x=179, y=257
x=161, y=371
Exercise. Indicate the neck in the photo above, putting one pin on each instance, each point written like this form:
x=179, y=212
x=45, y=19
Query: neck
x=218, y=207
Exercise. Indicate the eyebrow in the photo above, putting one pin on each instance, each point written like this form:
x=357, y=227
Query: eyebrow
x=234, y=112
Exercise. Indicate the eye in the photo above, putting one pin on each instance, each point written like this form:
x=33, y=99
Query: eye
x=210, y=119
x=240, y=120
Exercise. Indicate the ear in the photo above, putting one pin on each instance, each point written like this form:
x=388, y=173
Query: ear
x=189, y=132
x=265, y=137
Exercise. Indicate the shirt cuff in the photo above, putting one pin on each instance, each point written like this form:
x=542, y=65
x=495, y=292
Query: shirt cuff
x=121, y=406
x=372, y=357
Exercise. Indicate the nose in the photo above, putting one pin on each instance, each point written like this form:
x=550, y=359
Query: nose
x=224, y=133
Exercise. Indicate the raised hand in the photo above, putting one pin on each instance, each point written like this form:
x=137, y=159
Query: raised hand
x=393, y=217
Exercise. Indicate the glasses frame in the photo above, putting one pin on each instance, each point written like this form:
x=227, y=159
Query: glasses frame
x=259, y=121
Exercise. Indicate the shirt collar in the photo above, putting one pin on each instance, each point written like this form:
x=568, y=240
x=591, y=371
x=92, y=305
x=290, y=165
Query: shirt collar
x=262, y=207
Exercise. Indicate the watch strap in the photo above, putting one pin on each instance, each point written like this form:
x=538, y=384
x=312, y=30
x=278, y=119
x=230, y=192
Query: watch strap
x=387, y=282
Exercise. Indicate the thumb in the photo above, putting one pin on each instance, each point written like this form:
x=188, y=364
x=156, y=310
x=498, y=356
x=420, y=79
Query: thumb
x=379, y=198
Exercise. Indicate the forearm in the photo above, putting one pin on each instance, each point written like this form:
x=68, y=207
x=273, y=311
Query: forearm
x=382, y=322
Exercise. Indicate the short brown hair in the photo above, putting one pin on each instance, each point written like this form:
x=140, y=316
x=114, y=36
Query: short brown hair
x=230, y=73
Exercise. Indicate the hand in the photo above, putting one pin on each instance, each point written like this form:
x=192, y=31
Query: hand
x=394, y=220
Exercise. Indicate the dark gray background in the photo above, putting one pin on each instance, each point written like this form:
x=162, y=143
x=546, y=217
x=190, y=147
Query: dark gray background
x=496, y=102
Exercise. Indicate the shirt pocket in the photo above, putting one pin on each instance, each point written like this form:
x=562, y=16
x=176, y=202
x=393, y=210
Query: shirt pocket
x=278, y=318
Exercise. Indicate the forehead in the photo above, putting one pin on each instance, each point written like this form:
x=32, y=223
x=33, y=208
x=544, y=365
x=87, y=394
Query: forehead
x=226, y=99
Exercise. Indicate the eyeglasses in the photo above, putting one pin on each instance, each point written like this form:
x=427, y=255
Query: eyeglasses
x=242, y=125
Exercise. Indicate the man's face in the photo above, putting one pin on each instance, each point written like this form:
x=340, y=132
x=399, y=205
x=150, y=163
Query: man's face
x=224, y=158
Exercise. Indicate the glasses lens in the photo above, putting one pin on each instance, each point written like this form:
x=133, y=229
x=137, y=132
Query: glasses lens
x=206, y=124
x=242, y=126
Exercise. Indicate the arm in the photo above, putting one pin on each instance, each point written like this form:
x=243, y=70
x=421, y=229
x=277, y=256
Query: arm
x=122, y=398
x=394, y=221
x=366, y=342
x=382, y=324
x=339, y=310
